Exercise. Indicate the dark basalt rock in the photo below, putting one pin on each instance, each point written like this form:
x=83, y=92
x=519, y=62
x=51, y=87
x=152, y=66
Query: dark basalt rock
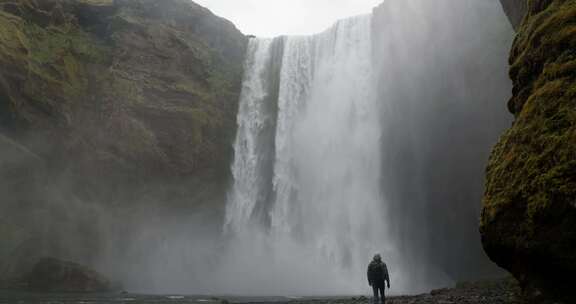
x=137, y=86
x=529, y=215
x=53, y=275
x=515, y=9
x=119, y=105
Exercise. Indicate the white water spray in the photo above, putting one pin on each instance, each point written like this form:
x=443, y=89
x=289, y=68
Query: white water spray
x=324, y=216
x=356, y=141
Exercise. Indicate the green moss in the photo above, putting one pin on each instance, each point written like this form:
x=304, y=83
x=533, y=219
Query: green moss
x=537, y=43
x=55, y=60
x=12, y=41
x=150, y=84
x=97, y=2
x=126, y=89
x=533, y=167
x=50, y=45
x=198, y=91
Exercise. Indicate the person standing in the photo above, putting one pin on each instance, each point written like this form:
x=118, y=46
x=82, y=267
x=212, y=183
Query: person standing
x=377, y=276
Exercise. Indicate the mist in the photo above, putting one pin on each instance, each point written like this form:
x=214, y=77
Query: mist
x=446, y=90
x=358, y=156
x=369, y=137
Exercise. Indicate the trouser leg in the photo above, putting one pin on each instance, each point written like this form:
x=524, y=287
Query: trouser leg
x=375, y=290
x=383, y=294
x=379, y=297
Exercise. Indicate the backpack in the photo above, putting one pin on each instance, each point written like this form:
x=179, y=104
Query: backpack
x=376, y=271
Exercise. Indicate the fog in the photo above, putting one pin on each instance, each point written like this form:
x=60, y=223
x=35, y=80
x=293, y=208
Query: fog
x=446, y=90
x=369, y=137
x=270, y=18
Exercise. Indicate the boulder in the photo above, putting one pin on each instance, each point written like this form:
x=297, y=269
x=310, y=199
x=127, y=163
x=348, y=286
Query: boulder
x=528, y=221
x=53, y=275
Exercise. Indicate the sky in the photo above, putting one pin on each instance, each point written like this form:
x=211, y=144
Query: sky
x=270, y=18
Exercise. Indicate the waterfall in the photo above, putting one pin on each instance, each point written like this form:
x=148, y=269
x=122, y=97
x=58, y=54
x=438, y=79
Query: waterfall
x=311, y=188
x=250, y=148
x=367, y=138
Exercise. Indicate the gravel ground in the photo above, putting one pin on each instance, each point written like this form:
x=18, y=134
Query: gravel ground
x=488, y=292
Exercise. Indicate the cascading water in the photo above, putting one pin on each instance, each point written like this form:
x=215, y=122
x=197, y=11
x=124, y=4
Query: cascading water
x=323, y=206
x=369, y=137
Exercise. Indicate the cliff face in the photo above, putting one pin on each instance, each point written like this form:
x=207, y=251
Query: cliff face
x=529, y=217
x=141, y=86
x=515, y=9
x=117, y=103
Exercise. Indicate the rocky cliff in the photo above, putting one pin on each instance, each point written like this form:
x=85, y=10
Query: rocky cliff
x=106, y=105
x=515, y=9
x=138, y=86
x=529, y=216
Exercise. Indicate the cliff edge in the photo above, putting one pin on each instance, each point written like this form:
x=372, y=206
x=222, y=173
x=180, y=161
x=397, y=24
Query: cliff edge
x=515, y=10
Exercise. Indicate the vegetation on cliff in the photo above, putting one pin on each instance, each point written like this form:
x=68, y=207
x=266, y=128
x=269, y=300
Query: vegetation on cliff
x=529, y=218
x=119, y=103
x=113, y=75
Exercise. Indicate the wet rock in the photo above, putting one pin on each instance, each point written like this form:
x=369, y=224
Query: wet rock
x=437, y=292
x=138, y=92
x=529, y=220
x=515, y=10
x=53, y=275
x=498, y=291
x=116, y=103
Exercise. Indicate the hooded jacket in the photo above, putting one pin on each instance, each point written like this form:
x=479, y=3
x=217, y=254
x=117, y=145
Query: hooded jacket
x=378, y=273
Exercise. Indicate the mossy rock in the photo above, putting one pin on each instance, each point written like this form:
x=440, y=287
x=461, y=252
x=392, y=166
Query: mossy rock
x=152, y=85
x=529, y=218
x=124, y=103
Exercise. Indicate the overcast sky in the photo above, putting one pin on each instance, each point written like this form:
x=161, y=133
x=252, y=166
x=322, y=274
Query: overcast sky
x=268, y=18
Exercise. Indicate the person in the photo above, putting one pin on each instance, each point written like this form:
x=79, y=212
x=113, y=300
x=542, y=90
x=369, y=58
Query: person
x=377, y=276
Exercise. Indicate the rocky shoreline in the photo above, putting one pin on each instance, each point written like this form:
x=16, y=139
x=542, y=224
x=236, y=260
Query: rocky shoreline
x=504, y=291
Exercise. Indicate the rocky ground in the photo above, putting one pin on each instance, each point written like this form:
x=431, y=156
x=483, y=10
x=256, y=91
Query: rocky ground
x=489, y=292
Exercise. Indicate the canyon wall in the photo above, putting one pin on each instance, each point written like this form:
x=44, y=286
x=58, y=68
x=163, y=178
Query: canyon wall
x=529, y=215
x=515, y=10
x=109, y=108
